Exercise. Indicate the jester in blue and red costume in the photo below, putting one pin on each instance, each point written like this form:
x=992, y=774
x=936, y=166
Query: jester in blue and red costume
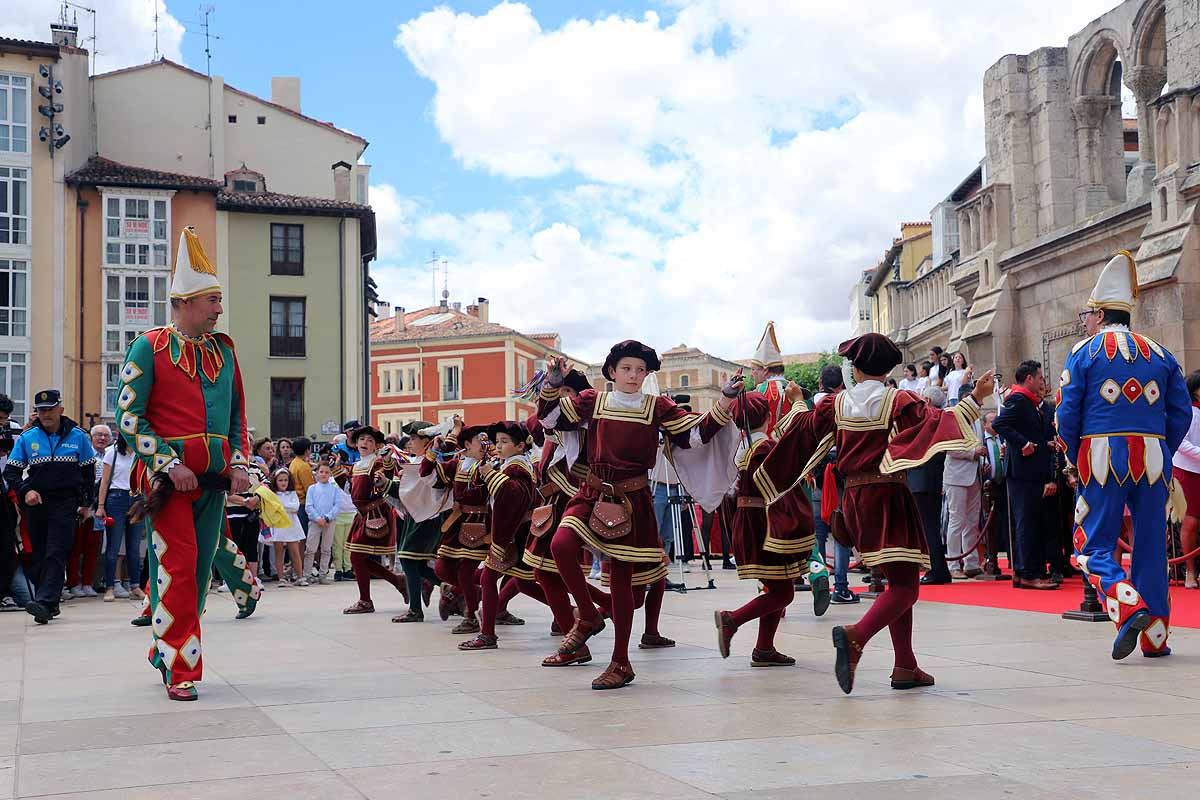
x=1123, y=409
x=181, y=409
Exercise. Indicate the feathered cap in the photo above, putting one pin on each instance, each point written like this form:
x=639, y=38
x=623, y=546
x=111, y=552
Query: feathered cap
x=768, y=353
x=1117, y=287
x=193, y=274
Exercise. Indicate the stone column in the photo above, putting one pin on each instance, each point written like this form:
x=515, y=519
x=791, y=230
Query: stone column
x=1146, y=83
x=1091, y=196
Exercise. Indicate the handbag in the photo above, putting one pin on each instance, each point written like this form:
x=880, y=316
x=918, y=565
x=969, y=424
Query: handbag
x=541, y=520
x=473, y=534
x=611, y=520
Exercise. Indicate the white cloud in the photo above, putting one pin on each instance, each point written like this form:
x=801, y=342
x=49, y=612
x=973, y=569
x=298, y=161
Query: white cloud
x=394, y=214
x=687, y=223
x=124, y=29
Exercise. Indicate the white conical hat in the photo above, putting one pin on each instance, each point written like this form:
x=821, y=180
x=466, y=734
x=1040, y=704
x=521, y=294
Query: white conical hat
x=650, y=384
x=193, y=274
x=1117, y=287
x=768, y=353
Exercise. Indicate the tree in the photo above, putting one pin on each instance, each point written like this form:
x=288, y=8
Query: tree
x=808, y=375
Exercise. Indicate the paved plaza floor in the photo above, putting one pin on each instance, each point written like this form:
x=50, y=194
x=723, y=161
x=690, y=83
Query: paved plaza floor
x=302, y=702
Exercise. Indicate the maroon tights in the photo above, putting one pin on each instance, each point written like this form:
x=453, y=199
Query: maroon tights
x=767, y=607
x=460, y=572
x=364, y=567
x=566, y=548
x=491, y=597
x=893, y=610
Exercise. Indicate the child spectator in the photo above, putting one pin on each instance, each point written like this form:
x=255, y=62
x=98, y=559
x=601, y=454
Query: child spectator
x=291, y=536
x=322, y=504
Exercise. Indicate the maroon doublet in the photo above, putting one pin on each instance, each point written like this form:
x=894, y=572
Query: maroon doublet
x=769, y=543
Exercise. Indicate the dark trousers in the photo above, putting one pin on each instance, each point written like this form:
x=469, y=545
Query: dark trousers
x=929, y=506
x=52, y=534
x=1028, y=520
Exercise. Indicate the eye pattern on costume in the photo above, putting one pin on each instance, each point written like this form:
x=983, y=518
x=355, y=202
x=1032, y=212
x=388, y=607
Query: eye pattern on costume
x=240, y=598
x=190, y=652
x=161, y=461
x=146, y=445
x=1113, y=608
x=1132, y=390
x=158, y=543
x=164, y=582
x=163, y=620
x=129, y=423
x=126, y=398
x=1066, y=377
x=1110, y=391
x=1081, y=510
x=1157, y=633
x=239, y=561
x=167, y=652
x=1152, y=392
x=130, y=372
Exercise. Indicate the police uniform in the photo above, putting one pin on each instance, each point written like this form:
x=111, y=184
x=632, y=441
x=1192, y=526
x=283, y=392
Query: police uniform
x=1123, y=409
x=61, y=469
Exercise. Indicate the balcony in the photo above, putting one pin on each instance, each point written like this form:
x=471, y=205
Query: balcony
x=287, y=341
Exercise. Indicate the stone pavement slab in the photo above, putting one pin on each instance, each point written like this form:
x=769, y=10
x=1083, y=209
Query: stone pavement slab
x=301, y=701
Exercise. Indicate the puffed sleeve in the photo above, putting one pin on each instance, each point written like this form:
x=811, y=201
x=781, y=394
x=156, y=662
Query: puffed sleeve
x=564, y=413
x=923, y=431
x=686, y=428
x=807, y=438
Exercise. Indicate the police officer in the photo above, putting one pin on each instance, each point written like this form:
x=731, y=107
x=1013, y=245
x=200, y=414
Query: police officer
x=52, y=469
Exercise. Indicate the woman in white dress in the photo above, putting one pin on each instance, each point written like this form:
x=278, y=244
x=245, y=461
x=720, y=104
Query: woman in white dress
x=292, y=536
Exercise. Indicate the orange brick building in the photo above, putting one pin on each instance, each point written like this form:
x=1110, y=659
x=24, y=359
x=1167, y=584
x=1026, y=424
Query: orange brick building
x=444, y=360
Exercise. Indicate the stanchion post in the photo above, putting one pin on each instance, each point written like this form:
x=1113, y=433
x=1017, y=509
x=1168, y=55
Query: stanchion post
x=876, y=588
x=1089, y=609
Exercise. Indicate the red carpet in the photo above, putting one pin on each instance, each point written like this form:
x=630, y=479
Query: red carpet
x=1185, y=603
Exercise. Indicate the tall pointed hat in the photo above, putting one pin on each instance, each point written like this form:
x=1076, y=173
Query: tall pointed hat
x=768, y=353
x=1117, y=287
x=194, y=274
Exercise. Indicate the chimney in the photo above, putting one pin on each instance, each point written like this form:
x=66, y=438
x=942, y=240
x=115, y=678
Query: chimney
x=473, y=310
x=64, y=34
x=285, y=92
x=482, y=303
x=382, y=309
x=399, y=315
x=458, y=306
x=341, y=181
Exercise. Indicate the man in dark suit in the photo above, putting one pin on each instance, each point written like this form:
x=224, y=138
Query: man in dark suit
x=1026, y=434
x=925, y=483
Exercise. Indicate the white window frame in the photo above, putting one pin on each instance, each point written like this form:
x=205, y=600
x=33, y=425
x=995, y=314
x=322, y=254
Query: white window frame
x=522, y=371
x=451, y=413
x=442, y=365
x=20, y=399
x=393, y=374
x=126, y=329
x=393, y=423
x=7, y=180
x=6, y=112
x=128, y=245
x=13, y=310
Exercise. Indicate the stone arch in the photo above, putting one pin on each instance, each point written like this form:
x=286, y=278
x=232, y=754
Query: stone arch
x=965, y=234
x=1167, y=136
x=1094, y=71
x=987, y=221
x=1150, y=35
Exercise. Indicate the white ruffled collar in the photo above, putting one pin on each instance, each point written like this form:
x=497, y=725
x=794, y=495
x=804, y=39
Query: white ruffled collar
x=863, y=399
x=618, y=399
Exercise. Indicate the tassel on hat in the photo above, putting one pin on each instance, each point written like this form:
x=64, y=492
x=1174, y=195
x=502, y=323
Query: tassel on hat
x=193, y=274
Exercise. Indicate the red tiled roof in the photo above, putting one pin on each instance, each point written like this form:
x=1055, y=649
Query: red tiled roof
x=28, y=47
x=443, y=323
x=100, y=171
x=273, y=203
x=284, y=109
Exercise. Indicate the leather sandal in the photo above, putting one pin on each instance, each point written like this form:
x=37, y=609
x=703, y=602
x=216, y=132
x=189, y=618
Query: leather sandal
x=480, y=642
x=184, y=690
x=508, y=618
x=580, y=656
x=654, y=641
x=848, y=654
x=468, y=625
x=426, y=592
x=447, y=603
x=725, y=631
x=615, y=677
x=411, y=616
x=770, y=658
x=910, y=678
x=579, y=634
x=360, y=607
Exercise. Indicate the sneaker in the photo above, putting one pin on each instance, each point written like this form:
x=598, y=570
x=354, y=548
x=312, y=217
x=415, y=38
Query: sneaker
x=77, y=591
x=301, y=582
x=137, y=594
x=324, y=580
x=89, y=591
x=120, y=592
x=108, y=595
x=844, y=597
x=8, y=604
x=223, y=588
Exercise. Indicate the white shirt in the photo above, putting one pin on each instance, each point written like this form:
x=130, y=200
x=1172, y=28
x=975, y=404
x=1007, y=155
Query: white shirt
x=953, y=382
x=1187, y=457
x=121, y=466
x=910, y=384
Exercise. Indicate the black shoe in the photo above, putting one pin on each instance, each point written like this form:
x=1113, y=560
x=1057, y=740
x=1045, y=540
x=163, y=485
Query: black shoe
x=844, y=597
x=41, y=614
x=929, y=579
x=728, y=565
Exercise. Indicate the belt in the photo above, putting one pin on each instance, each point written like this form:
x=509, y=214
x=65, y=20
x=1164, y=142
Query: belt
x=548, y=490
x=751, y=502
x=374, y=505
x=464, y=509
x=867, y=478
x=617, y=488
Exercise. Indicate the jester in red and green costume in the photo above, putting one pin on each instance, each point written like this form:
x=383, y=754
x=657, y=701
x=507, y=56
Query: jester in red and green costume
x=766, y=368
x=182, y=411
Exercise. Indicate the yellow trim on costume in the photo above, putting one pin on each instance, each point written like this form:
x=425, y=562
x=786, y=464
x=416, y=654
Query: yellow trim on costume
x=965, y=413
x=369, y=549
x=720, y=415
x=640, y=577
x=621, y=552
x=415, y=556
x=761, y=572
x=1122, y=433
x=448, y=551
x=744, y=461
x=555, y=475
x=494, y=481
x=549, y=393
x=891, y=555
x=767, y=487
x=567, y=406
x=537, y=562
x=880, y=422
x=645, y=416
x=789, y=547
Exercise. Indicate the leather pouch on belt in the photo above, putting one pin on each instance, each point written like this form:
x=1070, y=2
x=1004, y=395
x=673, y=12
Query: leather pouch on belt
x=473, y=534
x=541, y=520
x=611, y=520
